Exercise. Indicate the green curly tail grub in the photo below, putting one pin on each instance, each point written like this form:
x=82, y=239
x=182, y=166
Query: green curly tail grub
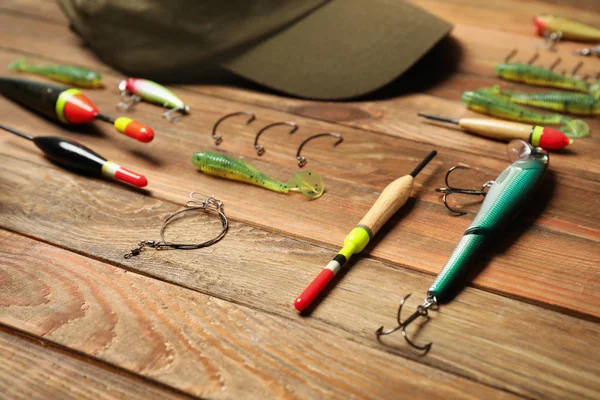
x=575, y=128
x=308, y=183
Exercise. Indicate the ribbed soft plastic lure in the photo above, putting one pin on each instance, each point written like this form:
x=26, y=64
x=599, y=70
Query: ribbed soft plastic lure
x=143, y=89
x=573, y=103
x=308, y=183
x=68, y=105
x=566, y=28
x=61, y=73
x=497, y=106
x=506, y=196
x=540, y=77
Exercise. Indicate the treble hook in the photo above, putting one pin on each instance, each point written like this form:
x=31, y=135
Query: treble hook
x=219, y=139
x=302, y=160
x=422, y=311
x=449, y=189
x=260, y=150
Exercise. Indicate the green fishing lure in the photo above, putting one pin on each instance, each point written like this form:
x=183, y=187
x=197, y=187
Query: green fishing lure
x=487, y=103
x=540, y=77
x=573, y=103
x=308, y=183
x=76, y=76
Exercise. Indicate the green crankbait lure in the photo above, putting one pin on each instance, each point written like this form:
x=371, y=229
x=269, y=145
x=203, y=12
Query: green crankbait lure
x=484, y=102
x=573, y=103
x=77, y=76
x=308, y=183
x=540, y=77
x=505, y=197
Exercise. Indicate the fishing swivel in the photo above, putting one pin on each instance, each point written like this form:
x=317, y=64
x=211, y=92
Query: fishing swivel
x=421, y=311
x=218, y=139
x=260, y=150
x=450, y=189
x=301, y=159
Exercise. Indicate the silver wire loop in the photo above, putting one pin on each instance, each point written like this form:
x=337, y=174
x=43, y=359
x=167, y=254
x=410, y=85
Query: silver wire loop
x=209, y=204
x=260, y=150
x=218, y=139
x=448, y=190
x=302, y=160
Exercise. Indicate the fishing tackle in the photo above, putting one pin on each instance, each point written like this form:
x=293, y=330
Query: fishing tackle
x=506, y=196
x=393, y=197
x=500, y=107
x=69, y=74
x=308, y=183
x=540, y=77
x=260, y=150
x=134, y=90
x=565, y=28
x=301, y=159
x=573, y=103
x=75, y=156
x=208, y=204
x=546, y=138
x=68, y=105
x=588, y=51
x=218, y=139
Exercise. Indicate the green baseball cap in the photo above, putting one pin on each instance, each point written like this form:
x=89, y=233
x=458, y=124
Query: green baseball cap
x=336, y=49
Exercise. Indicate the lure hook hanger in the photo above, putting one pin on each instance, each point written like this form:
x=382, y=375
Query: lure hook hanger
x=260, y=150
x=449, y=189
x=302, y=160
x=421, y=311
x=218, y=139
x=128, y=100
x=183, y=110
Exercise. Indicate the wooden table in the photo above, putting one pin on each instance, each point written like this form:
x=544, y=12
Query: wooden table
x=77, y=320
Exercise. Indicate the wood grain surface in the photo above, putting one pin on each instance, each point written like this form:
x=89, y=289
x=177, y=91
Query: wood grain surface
x=219, y=322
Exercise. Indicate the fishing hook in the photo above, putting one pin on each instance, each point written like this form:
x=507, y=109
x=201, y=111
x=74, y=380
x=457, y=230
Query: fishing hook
x=260, y=150
x=218, y=139
x=182, y=110
x=422, y=311
x=302, y=160
x=449, y=189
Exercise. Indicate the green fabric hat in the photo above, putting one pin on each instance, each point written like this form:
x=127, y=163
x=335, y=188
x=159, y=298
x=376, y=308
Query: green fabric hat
x=320, y=49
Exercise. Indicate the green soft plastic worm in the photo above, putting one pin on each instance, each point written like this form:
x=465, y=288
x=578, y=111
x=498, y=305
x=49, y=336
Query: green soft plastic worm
x=308, y=183
x=540, y=77
x=497, y=106
x=69, y=74
x=570, y=102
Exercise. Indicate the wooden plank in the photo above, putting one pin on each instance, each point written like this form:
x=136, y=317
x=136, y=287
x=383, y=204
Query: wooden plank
x=30, y=369
x=199, y=344
x=477, y=336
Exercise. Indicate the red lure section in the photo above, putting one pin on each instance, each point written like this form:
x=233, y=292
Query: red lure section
x=79, y=109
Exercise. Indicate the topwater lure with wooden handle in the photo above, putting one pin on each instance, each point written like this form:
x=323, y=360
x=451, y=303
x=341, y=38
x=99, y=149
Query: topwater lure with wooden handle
x=68, y=105
x=565, y=28
x=69, y=74
x=500, y=107
x=546, y=138
x=538, y=76
x=390, y=200
x=138, y=89
x=308, y=183
x=75, y=156
x=506, y=196
x=573, y=103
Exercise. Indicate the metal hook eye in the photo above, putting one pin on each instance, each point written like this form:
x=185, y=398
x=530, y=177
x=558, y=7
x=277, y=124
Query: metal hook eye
x=302, y=160
x=449, y=189
x=260, y=150
x=218, y=139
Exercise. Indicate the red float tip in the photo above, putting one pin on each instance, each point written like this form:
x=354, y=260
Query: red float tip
x=553, y=139
x=131, y=177
x=540, y=25
x=134, y=129
x=312, y=291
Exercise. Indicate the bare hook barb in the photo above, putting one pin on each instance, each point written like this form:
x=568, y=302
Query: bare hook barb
x=448, y=190
x=510, y=55
x=260, y=150
x=422, y=311
x=302, y=160
x=218, y=139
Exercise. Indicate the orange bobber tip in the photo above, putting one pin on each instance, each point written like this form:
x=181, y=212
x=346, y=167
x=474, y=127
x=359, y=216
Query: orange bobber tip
x=553, y=139
x=134, y=129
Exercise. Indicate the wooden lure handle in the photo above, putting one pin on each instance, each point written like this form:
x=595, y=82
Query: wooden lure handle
x=497, y=129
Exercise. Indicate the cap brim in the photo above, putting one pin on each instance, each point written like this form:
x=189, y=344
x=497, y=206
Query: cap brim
x=344, y=49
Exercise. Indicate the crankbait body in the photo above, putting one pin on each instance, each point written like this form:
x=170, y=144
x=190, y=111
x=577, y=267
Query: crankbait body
x=308, y=183
x=75, y=156
x=573, y=103
x=540, y=77
x=143, y=89
x=68, y=105
x=71, y=75
x=497, y=106
x=566, y=28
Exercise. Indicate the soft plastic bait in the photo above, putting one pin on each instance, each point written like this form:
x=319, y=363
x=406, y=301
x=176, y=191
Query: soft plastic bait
x=143, y=89
x=566, y=28
x=68, y=105
x=308, y=183
x=61, y=73
x=540, y=77
x=497, y=106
